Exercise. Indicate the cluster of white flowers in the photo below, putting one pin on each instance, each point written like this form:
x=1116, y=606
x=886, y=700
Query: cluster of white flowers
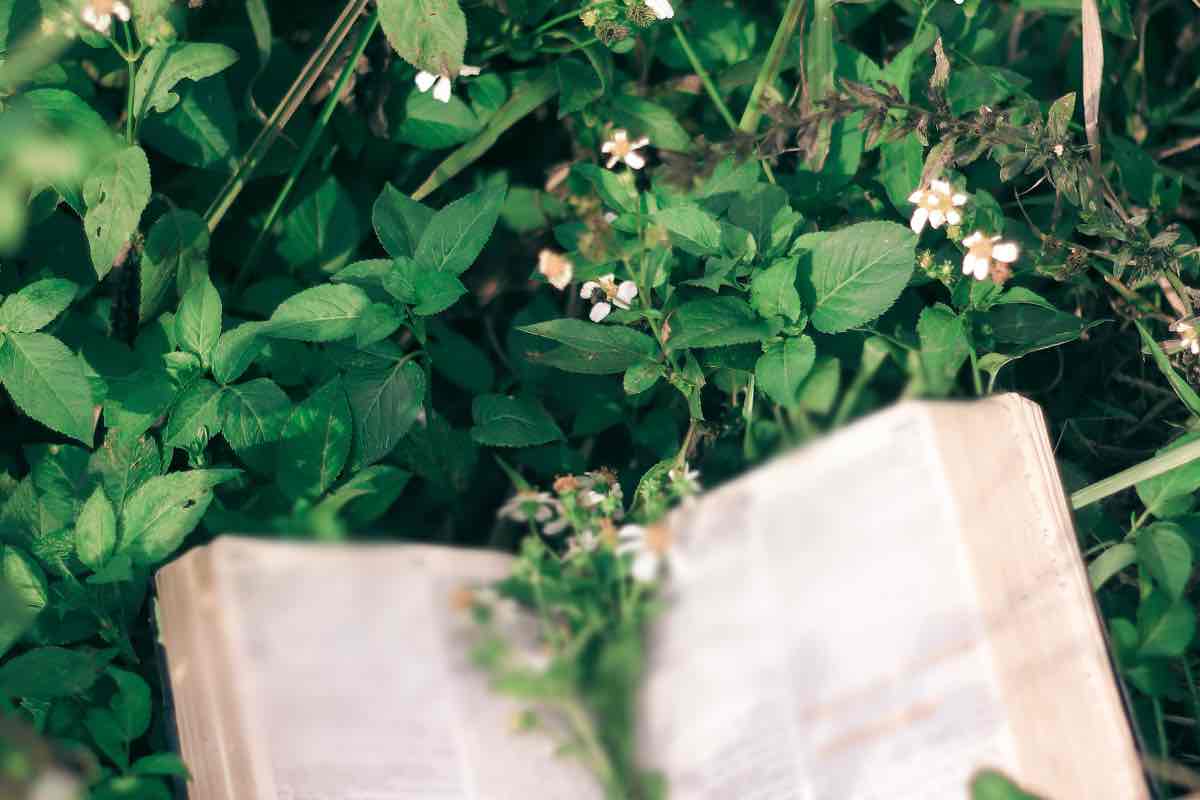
x=939, y=204
x=441, y=84
x=606, y=293
x=98, y=14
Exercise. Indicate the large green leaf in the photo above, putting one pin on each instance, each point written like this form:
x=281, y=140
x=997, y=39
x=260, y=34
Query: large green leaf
x=429, y=291
x=855, y=274
x=48, y=672
x=322, y=231
x=429, y=34
x=236, y=350
x=782, y=368
x=692, y=228
x=1164, y=552
x=589, y=348
x=96, y=530
x=47, y=382
x=116, y=193
x=195, y=417
x=773, y=290
x=168, y=64
x=399, y=221
x=315, y=442
x=944, y=348
x=455, y=236
x=321, y=314
x=252, y=418
x=36, y=305
x=384, y=402
x=716, y=322
x=1165, y=627
x=164, y=510
x=502, y=421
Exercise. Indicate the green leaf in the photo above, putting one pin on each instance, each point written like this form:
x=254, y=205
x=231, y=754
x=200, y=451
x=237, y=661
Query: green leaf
x=47, y=382
x=168, y=64
x=855, y=274
x=36, y=305
x=252, y=417
x=176, y=254
x=1164, y=552
x=717, y=322
x=321, y=314
x=96, y=530
x=131, y=705
x=430, y=291
x=944, y=348
x=431, y=124
x=322, y=231
x=164, y=510
x=579, y=85
x=502, y=421
x=644, y=118
x=399, y=221
x=166, y=764
x=22, y=575
x=315, y=442
x=1032, y=324
x=1171, y=493
x=773, y=290
x=782, y=368
x=989, y=784
x=379, y=321
x=200, y=131
x=49, y=672
x=236, y=350
x=757, y=212
x=900, y=165
x=196, y=416
x=457, y=233
x=429, y=34
x=641, y=376
x=198, y=322
x=1182, y=388
x=384, y=402
x=692, y=229
x=618, y=190
x=1165, y=627
x=1109, y=563
x=123, y=464
x=116, y=193
x=591, y=349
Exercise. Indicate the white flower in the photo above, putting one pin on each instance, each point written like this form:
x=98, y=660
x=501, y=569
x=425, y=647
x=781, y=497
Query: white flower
x=620, y=148
x=527, y=506
x=983, y=250
x=958, y=2
x=938, y=204
x=98, y=14
x=557, y=270
x=1189, y=336
x=441, y=83
x=583, y=542
x=648, y=545
x=662, y=8
x=610, y=295
x=686, y=479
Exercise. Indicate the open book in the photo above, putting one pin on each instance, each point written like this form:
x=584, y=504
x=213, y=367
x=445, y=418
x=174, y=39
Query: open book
x=877, y=615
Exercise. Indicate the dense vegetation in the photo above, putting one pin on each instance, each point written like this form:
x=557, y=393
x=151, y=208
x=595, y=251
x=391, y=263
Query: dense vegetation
x=416, y=269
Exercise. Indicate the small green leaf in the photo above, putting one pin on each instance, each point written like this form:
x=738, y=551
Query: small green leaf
x=176, y=254
x=399, y=221
x=1164, y=552
x=773, y=290
x=692, y=229
x=24, y=577
x=502, y=421
x=618, y=190
x=855, y=274
x=168, y=64
x=47, y=382
x=1165, y=627
x=717, y=322
x=131, y=704
x=989, y=784
x=315, y=442
x=164, y=510
x=944, y=348
x=1182, y=388
x=165, y=764
x=1171, y=493
x=457, y=233
x=782, y=368
x=252, y=417
x=195, y=417
x=96, y=530
x=384, y=402
x=36, y=305
x=641, y=376
x=430, y=291
x=591, y=349
x=198, y=322
x=322, y=231
x=321, y=314
x=116, y=193
x=236, y=350
x=429, y=34
x=1110, y=562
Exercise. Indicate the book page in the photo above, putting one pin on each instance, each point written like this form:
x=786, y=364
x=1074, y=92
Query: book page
x=821, y=608
x=357, y=677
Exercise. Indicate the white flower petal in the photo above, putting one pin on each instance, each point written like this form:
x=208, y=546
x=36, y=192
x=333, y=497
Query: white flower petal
x=469, y=71
x=588, y=289
x=441, y=91
x=627, y=291
x=975, y=265
x=425, y=80
x=936, y=218
x=939, y=186
x=642, y=142
x=916, y=196
x=953, y=217
x=122, y=11
x=599, y=312
x=959, y=199
x=645, y=567
x=635, y=161
x=918, y=219
x=974, y=239
x=608, y=147
x=612, y=161
x=661, y=8
x=1006, y=252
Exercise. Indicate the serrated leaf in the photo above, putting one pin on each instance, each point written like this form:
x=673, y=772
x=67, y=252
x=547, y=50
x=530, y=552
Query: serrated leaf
x=47, y=382
x=22, y=575
x=429, y=34
x=773, y=290
x=502, y=421
x=252, y=417
x=236, y=350
x=1164, y=552
x=195, y=417
x=692, y=229
x=315, y=442
x=96, y=530
x=399, y=221
x=618, y=190
x=782, y=368
x=429, y=291
x=384, y=402
x=322, y=231
x=37, y=305
x=717, y=322
x=116, y=193
x=321, y=314
x=457, y=233
x=161, y=513
x=198, y=321
x=855, y=274
x=591, y=349
x=168, y=64
x=123, y=464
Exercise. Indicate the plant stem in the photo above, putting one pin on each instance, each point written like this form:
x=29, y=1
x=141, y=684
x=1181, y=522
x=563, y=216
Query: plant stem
x=130, y=89
x=547, y=25
x=705, y=78
x=310, y=144
x=1159, y=464
x=770, y=67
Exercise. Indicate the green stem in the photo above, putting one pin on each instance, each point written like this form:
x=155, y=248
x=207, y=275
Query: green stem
x=1159, y=464
x=705, y=78
x=130, y=89
x=576, y=14
x=770, y=67
x=310, y=144
x=976, y=378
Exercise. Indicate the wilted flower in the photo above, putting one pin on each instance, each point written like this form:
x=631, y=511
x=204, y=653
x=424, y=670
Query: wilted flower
x=661, y=8
x=1189, y=336
x=441, y=83
x=98, y=14
x=557, y=270
x=611, y=294
x=938, y=204
x=620, y=148
x=648, y=545
x=529, y=506
x=983, y=250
